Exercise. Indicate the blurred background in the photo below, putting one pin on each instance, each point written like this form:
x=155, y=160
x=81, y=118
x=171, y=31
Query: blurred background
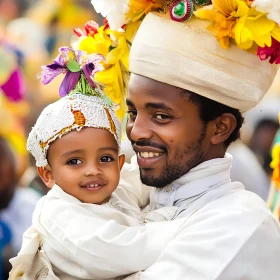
x=30, y=33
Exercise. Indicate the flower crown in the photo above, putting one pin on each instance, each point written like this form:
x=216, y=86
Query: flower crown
x=253, y=25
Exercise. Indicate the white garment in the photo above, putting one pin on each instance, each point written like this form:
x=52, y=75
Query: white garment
x=228, y=234
x=18, y=214
x=225, y=233
x=88, y=241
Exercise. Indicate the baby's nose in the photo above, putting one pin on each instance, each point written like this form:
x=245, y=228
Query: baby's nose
x=93, y=170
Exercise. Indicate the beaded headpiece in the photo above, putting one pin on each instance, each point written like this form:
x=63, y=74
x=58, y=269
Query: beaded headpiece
x=83, y=103
x=236, y=34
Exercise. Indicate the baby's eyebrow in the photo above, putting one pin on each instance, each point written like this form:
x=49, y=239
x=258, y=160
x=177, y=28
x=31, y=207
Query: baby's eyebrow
x=69, y=153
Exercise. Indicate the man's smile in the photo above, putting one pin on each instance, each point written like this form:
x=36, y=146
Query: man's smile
x=149, y=154
x=148, y=157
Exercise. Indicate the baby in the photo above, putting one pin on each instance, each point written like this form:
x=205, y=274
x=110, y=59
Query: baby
x=89, y=225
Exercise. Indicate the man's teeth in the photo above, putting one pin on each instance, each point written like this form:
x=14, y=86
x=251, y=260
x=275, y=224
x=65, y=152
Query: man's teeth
x=149, y=154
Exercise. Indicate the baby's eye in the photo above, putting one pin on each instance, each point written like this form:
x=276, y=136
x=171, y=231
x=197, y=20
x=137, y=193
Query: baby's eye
x=106, y=159
x=74, y=161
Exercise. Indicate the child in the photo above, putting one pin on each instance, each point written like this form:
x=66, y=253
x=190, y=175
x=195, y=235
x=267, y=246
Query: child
x=86, y=227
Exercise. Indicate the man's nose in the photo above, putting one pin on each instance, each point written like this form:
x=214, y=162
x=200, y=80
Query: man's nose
x=93, y=169
x=139, y=129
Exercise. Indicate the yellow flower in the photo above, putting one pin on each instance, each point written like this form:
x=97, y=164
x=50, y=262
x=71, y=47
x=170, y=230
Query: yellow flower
x=253, y=27
x=223, y=15
x=100, y=43
x=275, y=164
x=121, y=51
x=114, y=85
x=139, y=8
x=114, y=47
x=236, y=19
x=131, y=29
x=222, y=27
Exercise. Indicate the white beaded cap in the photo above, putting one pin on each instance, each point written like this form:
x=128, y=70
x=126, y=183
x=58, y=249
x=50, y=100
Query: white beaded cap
x=72, y=112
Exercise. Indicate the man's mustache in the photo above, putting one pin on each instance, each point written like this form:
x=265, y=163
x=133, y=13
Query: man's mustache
x=146, y=143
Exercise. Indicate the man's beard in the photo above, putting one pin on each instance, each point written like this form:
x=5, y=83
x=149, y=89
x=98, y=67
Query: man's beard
x=176, y=170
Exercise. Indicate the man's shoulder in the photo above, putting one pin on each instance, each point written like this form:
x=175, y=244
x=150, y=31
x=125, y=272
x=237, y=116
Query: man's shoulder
x=239, y=198
x=240, y=212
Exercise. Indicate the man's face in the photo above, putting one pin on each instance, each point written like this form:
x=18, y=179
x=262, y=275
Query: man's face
x=85, y=164
x=165, y=130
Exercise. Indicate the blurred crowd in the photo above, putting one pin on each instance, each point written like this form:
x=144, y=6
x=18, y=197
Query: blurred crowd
x=30, y=33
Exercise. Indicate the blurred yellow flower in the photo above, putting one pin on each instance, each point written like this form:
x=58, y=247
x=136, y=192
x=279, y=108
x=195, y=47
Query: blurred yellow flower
x=275, y=164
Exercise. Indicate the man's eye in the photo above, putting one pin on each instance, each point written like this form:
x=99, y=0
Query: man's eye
x=74, y=161
x=162, y=117
x=106, y=159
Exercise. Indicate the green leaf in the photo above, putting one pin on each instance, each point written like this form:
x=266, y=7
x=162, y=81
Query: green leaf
x=73, y=66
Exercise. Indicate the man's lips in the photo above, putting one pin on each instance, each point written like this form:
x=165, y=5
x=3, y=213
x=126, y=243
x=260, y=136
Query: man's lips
x=147, y=156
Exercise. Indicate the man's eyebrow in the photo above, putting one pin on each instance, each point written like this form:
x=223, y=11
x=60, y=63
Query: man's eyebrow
x=162, y=106
x=129, y=103
x=113, y=149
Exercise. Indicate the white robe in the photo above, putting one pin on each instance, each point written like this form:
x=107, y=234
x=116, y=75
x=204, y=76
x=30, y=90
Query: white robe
x=219, y=232
x=228, y=234
x=85, y=241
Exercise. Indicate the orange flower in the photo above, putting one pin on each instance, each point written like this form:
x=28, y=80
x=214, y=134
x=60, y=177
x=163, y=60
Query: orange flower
x=139, y=8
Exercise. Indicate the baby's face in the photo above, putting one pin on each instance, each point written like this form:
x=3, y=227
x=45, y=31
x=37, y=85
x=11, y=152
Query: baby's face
x=86, y=164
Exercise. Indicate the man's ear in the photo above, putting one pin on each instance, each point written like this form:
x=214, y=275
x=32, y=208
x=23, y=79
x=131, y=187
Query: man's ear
x=224, y=126
x=121, y=160
x=45, y=174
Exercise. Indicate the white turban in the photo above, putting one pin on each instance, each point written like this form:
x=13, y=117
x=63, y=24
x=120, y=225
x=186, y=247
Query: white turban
x=188, y=56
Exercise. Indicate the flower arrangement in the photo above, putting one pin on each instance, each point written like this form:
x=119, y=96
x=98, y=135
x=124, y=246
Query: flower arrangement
x=253, y=25
x=76, y=66
x=114, y=46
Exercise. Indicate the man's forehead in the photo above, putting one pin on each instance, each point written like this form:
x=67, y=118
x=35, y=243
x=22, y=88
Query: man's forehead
x=140, y=85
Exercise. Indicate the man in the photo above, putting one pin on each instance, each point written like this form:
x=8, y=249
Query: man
x=184, y=104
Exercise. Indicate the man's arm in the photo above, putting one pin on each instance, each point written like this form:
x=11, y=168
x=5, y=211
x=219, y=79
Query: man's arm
x=89, y=244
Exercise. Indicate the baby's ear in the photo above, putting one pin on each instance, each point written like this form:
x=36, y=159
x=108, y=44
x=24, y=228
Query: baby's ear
x=45, y=174
x=121, y=160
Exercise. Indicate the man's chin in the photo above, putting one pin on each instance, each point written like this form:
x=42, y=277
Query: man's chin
x=150, y=178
